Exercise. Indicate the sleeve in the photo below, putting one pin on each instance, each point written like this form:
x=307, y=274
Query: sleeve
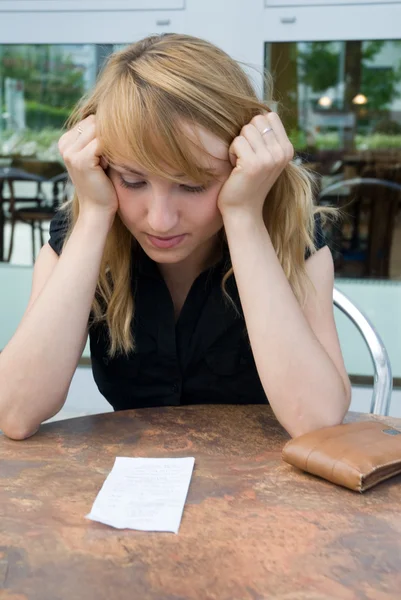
x=319, y=239
x=58, y=230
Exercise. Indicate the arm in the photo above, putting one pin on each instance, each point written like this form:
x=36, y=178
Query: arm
x=296, y=351
x=38, y=363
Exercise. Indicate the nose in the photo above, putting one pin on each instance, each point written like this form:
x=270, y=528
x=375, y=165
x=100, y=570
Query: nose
x=162, y=215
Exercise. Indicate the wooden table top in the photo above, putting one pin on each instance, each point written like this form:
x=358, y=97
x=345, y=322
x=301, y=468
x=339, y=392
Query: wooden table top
x=253, y=527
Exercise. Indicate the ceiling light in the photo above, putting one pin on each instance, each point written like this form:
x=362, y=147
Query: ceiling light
x=359, y=99
x=325, y=101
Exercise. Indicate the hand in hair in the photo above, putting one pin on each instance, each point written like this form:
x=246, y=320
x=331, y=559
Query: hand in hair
x=259, y=155
x=81, y=153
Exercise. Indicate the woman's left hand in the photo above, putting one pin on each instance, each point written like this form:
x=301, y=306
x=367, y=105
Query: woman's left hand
x=259, y=154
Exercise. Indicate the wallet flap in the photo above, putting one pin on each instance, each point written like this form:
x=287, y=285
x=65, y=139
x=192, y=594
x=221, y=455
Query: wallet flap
x=348, y=454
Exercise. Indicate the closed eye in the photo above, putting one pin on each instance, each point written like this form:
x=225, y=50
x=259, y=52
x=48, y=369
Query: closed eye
x=193, y=190
x=132, y=185
x=135, y=185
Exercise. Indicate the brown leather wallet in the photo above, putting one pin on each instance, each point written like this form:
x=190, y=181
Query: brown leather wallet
x=354, y=455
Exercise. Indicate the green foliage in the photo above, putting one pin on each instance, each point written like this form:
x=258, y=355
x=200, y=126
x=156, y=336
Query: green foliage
x=386, y=125
x=49, y=74
x=39, y=116
x=331, y=141
x=319, y=68
x=380, y=86
x=328, y=141
x=297, y=138
x=319, y=65
x=377, y=141
x=41, y=144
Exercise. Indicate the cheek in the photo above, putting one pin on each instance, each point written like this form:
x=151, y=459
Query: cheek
x=204, y=211
x=128, y=208
x=209, y=206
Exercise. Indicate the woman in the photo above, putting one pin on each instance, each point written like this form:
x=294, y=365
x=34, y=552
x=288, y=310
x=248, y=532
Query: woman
x=191, y=248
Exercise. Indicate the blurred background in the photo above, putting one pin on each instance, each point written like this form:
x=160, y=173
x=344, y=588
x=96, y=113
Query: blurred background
x=336, y=82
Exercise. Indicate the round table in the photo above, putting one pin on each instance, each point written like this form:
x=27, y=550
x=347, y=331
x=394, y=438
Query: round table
x=253, y=527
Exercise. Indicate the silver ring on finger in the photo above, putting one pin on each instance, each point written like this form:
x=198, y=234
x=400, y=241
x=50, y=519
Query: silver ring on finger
x=267, y=130
x=80, y=130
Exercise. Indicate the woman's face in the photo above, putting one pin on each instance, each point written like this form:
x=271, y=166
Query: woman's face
x=172, y=220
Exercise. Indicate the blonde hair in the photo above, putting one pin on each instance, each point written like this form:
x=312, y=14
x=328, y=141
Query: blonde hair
x=142, y=95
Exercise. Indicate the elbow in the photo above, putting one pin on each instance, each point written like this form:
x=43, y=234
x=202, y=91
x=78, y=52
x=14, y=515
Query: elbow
x=302, y=427
x=331, y=417
x=19, y=433
x=15, y=428
x=348, y=393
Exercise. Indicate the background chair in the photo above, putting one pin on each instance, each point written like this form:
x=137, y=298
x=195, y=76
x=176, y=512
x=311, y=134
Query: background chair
x=8, y=177
x=45, y=168
x=383, y=380
x=362, y=243
x=43, y=211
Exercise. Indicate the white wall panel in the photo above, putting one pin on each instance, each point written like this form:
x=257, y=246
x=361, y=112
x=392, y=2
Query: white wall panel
x=239, y=27
x=86, y=27
x=282, y=3
x=89, y=5
x=315, y=23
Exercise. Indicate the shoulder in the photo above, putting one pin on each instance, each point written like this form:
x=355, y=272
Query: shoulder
x=58, y=229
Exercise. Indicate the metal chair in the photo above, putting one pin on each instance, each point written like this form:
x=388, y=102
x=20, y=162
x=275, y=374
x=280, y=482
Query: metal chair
x=383, y=380
x=380, y=199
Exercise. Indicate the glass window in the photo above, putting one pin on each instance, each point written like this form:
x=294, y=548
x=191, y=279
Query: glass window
x=341, y=104
x=39, y=85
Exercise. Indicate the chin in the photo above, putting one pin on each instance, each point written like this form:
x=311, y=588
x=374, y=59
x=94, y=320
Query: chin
x=166, y=256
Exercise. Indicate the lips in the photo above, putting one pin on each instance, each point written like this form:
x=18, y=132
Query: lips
x=166, y=242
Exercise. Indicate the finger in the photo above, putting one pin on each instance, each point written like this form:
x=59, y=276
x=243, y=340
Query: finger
x=254, y=138
x=88, y=158
x=264, y=141
x=274, y=121
x=265, y=128
x=71, y=136
x=241, y=150
x=84, y=133
x=90, y=155
x=72, y=133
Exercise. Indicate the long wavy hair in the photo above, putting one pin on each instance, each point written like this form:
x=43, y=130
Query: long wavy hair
x=142, y=96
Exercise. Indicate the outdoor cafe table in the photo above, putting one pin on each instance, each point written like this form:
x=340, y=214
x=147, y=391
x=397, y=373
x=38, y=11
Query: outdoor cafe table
x=253, y=527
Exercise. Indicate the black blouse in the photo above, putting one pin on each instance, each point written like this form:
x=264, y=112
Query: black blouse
x=203, y=358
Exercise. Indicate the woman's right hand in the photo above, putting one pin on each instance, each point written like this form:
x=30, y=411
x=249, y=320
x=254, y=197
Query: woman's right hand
x=82, y=157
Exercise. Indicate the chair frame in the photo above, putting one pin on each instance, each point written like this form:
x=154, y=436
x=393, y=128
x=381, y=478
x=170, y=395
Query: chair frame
x=376, y=263
x=29, y=219
x=382, y=380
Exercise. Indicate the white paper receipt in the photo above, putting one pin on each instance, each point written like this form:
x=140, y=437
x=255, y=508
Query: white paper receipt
x=144, y=493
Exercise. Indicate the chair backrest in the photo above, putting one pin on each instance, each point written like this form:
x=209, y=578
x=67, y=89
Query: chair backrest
x=45, y=168
x=61, y=190
x=383, y=380
x=383, y=196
